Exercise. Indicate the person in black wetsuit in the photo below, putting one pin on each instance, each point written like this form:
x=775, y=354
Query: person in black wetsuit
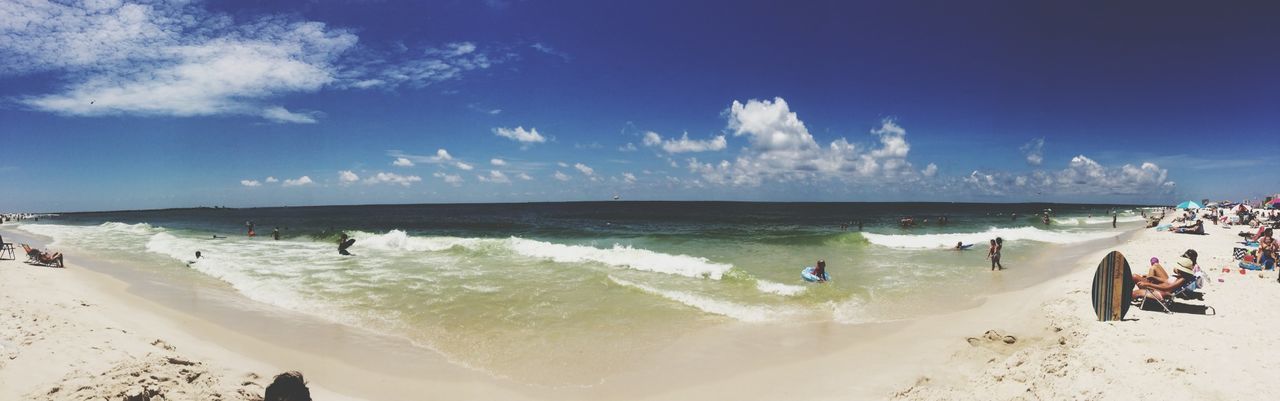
x=343, y=243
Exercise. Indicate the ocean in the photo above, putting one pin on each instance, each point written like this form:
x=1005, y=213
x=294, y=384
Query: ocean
x=525, y=290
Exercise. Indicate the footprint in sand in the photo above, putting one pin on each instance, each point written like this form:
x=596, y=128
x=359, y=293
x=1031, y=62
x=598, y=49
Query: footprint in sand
x=992, y=336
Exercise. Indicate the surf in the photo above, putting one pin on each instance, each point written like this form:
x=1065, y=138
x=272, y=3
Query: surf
x=947, y=240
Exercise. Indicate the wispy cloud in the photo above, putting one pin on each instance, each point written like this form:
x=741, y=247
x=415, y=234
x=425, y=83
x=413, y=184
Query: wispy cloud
x=250, y=183
x=547, y=49
x=1034, y=151
x=180, y=59
x=684, y=144
x=392, y=178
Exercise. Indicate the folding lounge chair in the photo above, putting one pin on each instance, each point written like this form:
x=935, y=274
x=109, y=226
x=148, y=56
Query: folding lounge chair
x=1185, y=291
x=7, y=247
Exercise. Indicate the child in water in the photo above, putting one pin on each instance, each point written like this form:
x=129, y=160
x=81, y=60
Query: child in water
x=820, y=270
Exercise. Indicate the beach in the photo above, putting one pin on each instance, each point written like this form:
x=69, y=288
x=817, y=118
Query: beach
x=99, y=329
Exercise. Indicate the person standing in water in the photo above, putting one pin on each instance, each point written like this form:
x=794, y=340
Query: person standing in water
x=343, y=243
x=275, y=233
x=1114, y=218
x=250, y=225
x=859, y=225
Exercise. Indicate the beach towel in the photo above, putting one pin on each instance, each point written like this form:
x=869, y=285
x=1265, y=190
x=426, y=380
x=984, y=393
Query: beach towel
x=1239, y=252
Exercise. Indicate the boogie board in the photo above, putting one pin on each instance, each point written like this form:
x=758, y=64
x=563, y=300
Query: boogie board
x=1112, y=287
x=808, y=275
x=342, y=248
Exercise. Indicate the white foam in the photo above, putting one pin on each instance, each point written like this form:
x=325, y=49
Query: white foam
x=745, y=313
x=105, y=235
x=621, y=256
x=397, y=240
x=779, y=288
x=1083, y=221
x=924, y=241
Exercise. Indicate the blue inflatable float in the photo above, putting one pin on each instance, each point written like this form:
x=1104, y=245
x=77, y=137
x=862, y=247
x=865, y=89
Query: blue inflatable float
x=808, y=275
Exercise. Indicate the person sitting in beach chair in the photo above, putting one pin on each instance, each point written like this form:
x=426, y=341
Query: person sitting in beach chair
x=36, y=256
x=1183, y=283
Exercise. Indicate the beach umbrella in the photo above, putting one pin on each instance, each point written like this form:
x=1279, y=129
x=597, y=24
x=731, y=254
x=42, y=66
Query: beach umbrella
x=1190, y=205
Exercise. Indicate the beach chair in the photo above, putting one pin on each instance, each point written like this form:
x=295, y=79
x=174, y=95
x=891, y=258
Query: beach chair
x=7, y=247
x=27, y=251
x=1187, y=290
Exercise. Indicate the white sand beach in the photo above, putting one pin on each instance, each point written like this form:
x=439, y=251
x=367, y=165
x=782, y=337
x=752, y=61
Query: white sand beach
x=80, y=334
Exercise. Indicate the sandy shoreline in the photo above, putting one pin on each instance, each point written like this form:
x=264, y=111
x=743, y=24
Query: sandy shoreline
x=87, y=324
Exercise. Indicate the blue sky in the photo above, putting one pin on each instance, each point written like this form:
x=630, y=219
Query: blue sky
x=111, y=105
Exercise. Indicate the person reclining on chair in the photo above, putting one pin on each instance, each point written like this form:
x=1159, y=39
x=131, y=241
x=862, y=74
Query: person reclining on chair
x=1151, y=286
x=44, y=258
x=1197, y=228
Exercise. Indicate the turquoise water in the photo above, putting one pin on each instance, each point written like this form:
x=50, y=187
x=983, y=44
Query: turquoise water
x=513, y=289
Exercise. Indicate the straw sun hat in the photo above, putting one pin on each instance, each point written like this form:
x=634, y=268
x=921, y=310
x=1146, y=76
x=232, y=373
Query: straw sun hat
x=1185, y=265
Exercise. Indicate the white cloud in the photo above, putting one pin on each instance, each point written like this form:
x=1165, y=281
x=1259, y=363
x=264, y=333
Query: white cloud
x=562, y=164
x=297, y=182
x=930, y=170
x=451, y=179
x=180, y=59
x=629, y=178
x=494, y=176
x=272, y=179
x=782, y=149
x=250, y=183
x=684, y=144
x=282, y=115
x=392, y=178
x=441, y=155
x=402, y=162
x=561, y=176
x=585, y=169
x=463, y=166
x=629, y=147
x=1034, y=151
x=519, y=134
x=545, y=48
x=497, y=162
x=1081, y=177
x=347, y=177
x=524, y=176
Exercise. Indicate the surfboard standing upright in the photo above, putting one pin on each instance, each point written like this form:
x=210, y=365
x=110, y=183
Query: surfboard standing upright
x=1111, y=288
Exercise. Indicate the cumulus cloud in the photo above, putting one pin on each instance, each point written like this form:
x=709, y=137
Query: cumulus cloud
x=451, y=179
x=463, y=166
x=629, y=178
x=524, y=176
x=297, y=182
x=180, y=59
x=347, y=177
x=684, y=144
x=402, y=162
x=392, y=178
x=585, y=169
x=250, y=183
x=561, y=176
x=494, y=176
x=497, y=162
x=782, y=149
x=1082, y=176
x=272, y=179
x=930, y=170
x=519, y=134
x=1034, y=151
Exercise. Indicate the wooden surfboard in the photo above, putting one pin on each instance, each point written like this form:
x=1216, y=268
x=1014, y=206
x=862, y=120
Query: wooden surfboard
x=1112, y=288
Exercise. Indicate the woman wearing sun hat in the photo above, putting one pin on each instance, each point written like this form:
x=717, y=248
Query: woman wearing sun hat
x=1184, y=274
